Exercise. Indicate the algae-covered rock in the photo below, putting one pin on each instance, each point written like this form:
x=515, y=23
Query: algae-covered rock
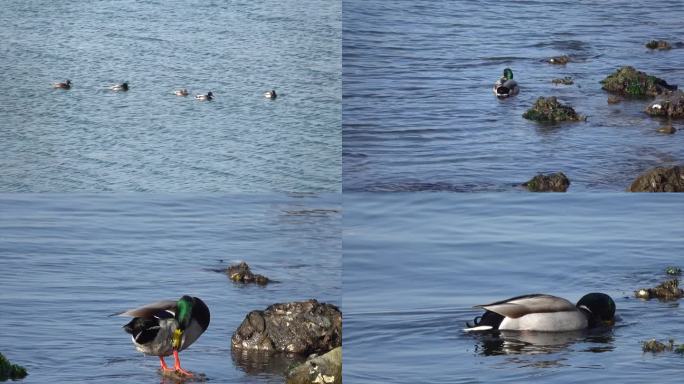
x=324, y=369
x=180, y=378
x=659, y=45
x=298, y=327
x=669, y=104
x=668, y=290
x=567, y=80
x=9, y=371
x=561, y=60
x=550, y=110
x=656, y=346
x=628, y=81
x=555, y=182
x=673, y=271
x=241, y=273
x=659, y=179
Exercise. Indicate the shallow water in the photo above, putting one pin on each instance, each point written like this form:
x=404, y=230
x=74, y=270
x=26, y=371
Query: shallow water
x=419, y=113
x=69, y=261
x=416, y=264
x=147, y=139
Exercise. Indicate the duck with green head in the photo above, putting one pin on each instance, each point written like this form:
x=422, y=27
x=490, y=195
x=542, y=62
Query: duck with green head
x=167, y=327
x=546, y=313
x=506, y=86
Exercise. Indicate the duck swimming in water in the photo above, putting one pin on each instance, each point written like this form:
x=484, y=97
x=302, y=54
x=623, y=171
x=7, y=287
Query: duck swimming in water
x=208, y=96
x=167, y=327
x=271, y=94
x=181, y=92
x=119, y=87
x=546, y=313
x=64, y=85
x=506, y=86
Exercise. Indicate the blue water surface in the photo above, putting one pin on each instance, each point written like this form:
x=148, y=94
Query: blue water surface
x=416, y=264
x=69, y=261
x=147, y=139
x=419, y=112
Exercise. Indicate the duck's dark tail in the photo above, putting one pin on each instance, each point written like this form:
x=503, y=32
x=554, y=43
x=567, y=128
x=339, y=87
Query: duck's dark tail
x=490, y=320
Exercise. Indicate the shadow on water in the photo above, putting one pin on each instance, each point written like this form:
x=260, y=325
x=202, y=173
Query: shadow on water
x=534, y=343
x=262, y=362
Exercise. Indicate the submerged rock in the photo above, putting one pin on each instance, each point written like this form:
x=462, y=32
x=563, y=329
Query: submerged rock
x=659, y=45
x=656, y=346
x=298, y=327
x=669, y=104
x=555, y=182
x=550, y=110
x=9, y=371
x=630, y=82
x=241, y=273
x=668, y=129
x=563, y=59
x=614, y=99
x=673, y=271
x=659, y=179
x=324, y=369
x=668, y=290
x=567, y=80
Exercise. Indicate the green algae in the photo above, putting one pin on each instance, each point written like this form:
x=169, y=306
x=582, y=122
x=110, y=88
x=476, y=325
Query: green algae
x=550, y=110
x=555, y=182
x=628, y=81
x=9, y=371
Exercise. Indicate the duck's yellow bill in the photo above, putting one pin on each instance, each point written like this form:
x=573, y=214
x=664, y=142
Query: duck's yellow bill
x=176, y=338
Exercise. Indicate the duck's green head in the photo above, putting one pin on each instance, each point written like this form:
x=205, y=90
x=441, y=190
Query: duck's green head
x=600, y=309
x=508, y=74
x=183, y=317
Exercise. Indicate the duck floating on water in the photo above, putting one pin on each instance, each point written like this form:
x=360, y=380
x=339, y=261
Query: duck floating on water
x=119, y=87
x=271, y=94
x=181, y=92
x=539, y=312
x=64, y=85
x=167, y=327
x=506, y=86
x=208, y=96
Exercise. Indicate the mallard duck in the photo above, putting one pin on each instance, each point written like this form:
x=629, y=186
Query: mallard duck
x=208, y=96
x=167, y=327
x=64, y=85
x=119, y=87
x=181, y=92
x=548, y=313
x=271, y=94
x=506, y=86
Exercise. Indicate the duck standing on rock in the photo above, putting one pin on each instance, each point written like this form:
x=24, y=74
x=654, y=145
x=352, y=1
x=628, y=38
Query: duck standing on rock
x=546, y=313
x=167, y=327
x=506, y=86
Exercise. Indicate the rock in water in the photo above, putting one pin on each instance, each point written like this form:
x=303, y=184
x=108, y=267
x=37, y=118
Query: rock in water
x=659, y=179
x=551, y=111
x=630, y=82
x=668, y=290
x=555, y=182
x=241, y=273
x=9, y=371
x=669, y=104
x=560, y=60
x=660, y=45
x=567, y=80
x=301, y=327
x=324, y=369
x=668, y=129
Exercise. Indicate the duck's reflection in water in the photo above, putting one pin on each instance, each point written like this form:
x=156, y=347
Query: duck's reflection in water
x=531, y=343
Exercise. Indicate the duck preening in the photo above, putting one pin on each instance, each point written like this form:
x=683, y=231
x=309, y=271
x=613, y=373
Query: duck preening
x=64, y=85
x=208, y=96
x=506, y=86
x=119, y=87
x=167, y=327
x=539, y=312
x=271, y=94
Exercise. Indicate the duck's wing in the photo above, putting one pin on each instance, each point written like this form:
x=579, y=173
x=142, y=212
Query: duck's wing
x=519, y=306
x=150, y=310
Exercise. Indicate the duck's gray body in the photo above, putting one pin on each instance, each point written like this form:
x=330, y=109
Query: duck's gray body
x=506, y=88
x=153, y=326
